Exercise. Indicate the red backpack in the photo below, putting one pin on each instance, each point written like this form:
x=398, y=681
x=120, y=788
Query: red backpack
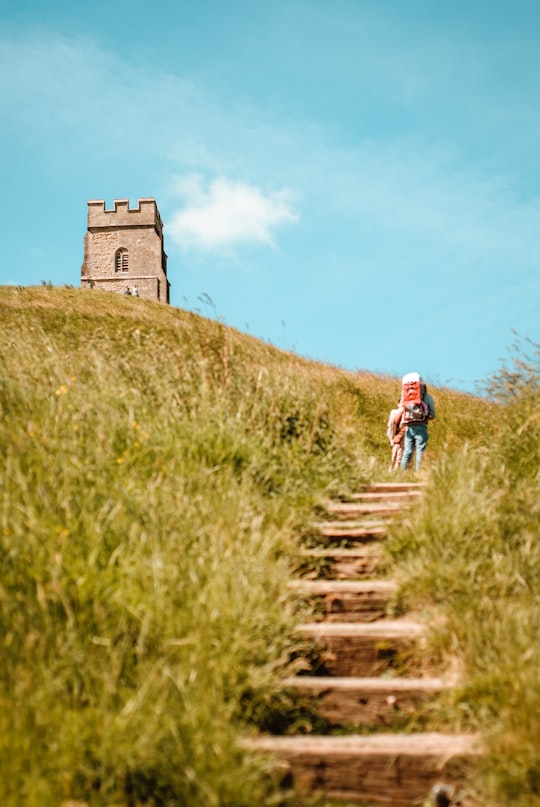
x=415, y=410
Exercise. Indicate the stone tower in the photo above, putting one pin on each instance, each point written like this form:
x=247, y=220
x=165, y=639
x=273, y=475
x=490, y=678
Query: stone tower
x=123, y=248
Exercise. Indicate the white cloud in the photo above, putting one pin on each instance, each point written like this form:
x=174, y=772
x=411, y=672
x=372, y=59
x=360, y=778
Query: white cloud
x=227, y=213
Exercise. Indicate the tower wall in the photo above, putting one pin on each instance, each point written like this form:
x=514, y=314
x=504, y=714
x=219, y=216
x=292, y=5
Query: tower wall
x=138, y=234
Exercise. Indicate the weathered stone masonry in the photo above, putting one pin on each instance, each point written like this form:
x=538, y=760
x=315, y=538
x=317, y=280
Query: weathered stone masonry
x=123, y=248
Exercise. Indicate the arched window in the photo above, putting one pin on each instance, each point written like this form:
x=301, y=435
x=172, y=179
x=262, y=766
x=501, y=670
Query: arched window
x=121, y=261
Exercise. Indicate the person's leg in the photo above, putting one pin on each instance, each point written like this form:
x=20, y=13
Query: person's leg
x=421, y=438
x=408, y=446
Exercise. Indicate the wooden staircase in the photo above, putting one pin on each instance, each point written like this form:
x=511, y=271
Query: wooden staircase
x=367, y=674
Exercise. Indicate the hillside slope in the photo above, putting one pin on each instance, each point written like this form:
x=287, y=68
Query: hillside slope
x=156, y=467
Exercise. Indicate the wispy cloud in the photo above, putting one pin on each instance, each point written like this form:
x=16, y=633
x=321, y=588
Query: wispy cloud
x=225, y=213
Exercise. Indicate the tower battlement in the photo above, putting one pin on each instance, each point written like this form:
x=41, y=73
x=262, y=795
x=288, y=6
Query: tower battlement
x=122, y=215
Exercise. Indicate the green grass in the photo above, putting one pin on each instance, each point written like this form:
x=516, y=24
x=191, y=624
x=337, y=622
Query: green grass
x=158, y=468
x=473, y=555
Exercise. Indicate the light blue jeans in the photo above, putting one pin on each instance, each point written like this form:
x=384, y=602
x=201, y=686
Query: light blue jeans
x=416, y=437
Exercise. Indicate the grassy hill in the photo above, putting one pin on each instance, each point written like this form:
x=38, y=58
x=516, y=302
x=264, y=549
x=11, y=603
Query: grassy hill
x=158, y=468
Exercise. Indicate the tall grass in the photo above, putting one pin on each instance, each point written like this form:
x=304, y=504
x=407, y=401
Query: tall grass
x=156, y=467
x=474, y=553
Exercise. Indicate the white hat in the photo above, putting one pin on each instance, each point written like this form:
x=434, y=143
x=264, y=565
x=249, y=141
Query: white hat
x=410, y=378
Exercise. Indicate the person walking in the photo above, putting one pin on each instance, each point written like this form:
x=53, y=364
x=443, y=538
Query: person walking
x=395, y=431
x=416, y=415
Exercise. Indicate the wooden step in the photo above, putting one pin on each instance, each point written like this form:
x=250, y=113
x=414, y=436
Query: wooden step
x=359, y=533
x=346, y=563
x=396, y=497
x=361, y=649
x=348, y=509
x=365, y=701
x=348, y=600
x=390, y=770
x=395, y=487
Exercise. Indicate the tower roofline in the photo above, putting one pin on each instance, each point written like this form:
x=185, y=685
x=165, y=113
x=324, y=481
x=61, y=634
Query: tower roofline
x=123, y=203
x=146, y=213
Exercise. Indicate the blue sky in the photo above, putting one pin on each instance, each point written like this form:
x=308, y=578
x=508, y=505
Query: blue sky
x=356, y=181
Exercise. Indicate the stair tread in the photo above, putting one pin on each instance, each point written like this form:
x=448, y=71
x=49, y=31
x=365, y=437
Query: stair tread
x=362, y=524
x=372, y=684
x=353, y=533
x=342, y=526
x=399, y=495
x=371, y=552
x=347, y=552
x=364, y=507
x=425, y=744
x=381, y=628
x=354, y=586
x=351, y=525
x=395, y=486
